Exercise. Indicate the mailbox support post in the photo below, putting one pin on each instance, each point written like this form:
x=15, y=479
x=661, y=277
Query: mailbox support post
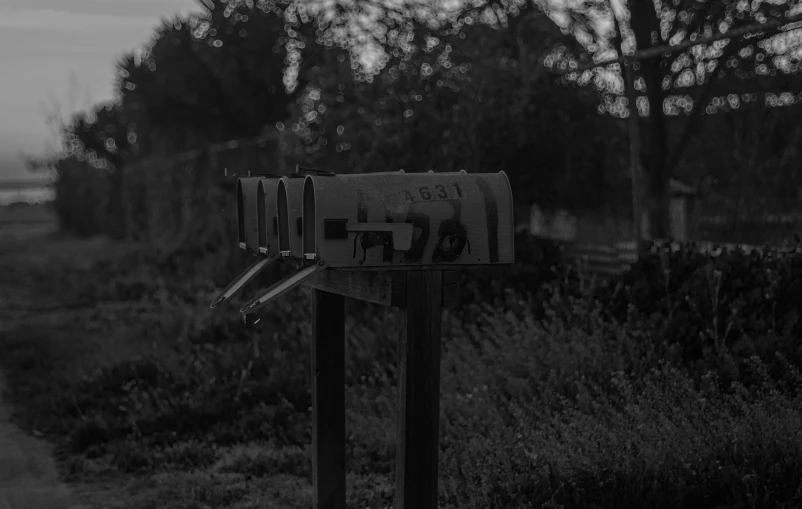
x=328, y=399
x=419, y=295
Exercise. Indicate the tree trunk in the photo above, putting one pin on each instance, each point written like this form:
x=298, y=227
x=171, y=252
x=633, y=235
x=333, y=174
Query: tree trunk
x=645, y=24
x=633, y=129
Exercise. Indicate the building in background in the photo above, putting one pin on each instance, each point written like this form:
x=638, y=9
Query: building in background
x=603, y=227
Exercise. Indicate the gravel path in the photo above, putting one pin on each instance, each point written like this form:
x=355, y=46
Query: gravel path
x=28, y=478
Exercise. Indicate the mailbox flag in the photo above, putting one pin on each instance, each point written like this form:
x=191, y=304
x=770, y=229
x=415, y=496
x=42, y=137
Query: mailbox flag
x=256, y=221
x=240, y=281
x=282, y=287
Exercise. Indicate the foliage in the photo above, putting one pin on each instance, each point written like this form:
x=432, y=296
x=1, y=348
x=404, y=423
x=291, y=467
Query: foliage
x=539, y=265
x=200, y=81
x=467, y=88
x=695, y=80
x=728, y=305
x=476, y=98
x=261, y=69
x=717, y=308
x=569, y=408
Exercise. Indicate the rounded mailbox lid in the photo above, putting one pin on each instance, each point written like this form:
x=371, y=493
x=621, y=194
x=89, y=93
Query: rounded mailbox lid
x=267, y=219
x=247, y=214
x=288, y=211
x=255, y=208
x=414, y=220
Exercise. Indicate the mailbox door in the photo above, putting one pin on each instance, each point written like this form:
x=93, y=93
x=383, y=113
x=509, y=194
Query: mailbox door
x=458, y=219
x=290, y=222
x=247, y=214
x=255, y=203
x=267, y=218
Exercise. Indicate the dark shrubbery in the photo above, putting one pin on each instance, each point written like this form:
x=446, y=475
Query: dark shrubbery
x=597, y=396
x=538, y=265
x=717, y=309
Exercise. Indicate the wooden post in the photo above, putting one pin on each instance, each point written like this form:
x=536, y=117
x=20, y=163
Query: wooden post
x=328, y=399
x=633, y=127
x=634, y=153
x=418, y=390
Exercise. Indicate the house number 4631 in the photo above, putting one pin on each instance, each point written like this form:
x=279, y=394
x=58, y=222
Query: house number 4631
x=437, y=192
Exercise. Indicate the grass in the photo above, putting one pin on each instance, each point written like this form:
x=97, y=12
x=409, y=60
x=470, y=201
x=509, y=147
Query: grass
x=147, y=392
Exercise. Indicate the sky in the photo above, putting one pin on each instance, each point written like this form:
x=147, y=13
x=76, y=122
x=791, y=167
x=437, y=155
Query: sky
x=59, y=55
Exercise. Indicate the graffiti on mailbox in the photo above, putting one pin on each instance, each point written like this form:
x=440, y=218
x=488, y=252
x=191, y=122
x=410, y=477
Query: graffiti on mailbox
x=368, y=240
x=452, y=235
x=420, y=222
x=454, y=231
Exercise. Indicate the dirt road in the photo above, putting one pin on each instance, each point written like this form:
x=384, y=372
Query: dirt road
x=28, y=476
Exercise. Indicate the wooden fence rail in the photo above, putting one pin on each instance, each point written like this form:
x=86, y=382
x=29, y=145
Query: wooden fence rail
x=611, y=260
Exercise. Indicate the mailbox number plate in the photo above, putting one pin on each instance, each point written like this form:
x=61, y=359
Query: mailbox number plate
x=438, y=192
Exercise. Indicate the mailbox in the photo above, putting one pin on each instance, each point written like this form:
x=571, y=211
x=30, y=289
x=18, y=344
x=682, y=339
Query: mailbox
x=398, y=221
x=258, y=229
x=290, y=208
x=288, y=211
x=247, y=210
x=407, y=221
x=267, y=219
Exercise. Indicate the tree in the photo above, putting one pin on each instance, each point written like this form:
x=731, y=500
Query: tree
x=201, y=80
x=688, y=78
x=472, y=95
x=762, y=176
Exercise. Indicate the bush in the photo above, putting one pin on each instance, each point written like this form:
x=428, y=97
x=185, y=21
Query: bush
x=721, y=308
x=717, y=308
x=586, y=400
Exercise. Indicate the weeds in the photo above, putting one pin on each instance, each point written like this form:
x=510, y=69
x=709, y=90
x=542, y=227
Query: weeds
x=554, y=406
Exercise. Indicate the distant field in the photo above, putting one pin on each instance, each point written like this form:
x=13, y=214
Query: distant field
x=24, y=213
x=20, y=223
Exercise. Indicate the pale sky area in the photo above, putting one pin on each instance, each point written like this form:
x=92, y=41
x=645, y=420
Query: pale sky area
x=60, y=54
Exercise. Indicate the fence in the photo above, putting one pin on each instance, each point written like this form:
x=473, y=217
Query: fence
x=602, y=260
x=611, y=260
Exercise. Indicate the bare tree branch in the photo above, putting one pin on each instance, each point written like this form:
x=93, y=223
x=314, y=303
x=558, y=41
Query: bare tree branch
x=771, y=27
x=705, y=96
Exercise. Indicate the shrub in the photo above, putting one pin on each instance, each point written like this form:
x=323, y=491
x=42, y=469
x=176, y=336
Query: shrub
x=721, y=308
x=586, y=400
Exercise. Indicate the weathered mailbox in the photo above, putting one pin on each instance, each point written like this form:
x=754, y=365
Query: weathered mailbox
x=290, y=211
x=257, y=227
x=267, y=218
x=392, y=221
x=290, y=222
x=391, y=238
x=247, y=213
x=402, y=221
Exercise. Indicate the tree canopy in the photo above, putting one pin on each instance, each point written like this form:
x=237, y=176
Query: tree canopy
x=373, y=85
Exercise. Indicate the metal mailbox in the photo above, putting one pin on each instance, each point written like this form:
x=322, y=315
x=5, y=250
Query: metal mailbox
x=267, y=219
x=406, y=221
x=288, y=210
x=394, y=221
x=257, y=228
x=247, y=212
